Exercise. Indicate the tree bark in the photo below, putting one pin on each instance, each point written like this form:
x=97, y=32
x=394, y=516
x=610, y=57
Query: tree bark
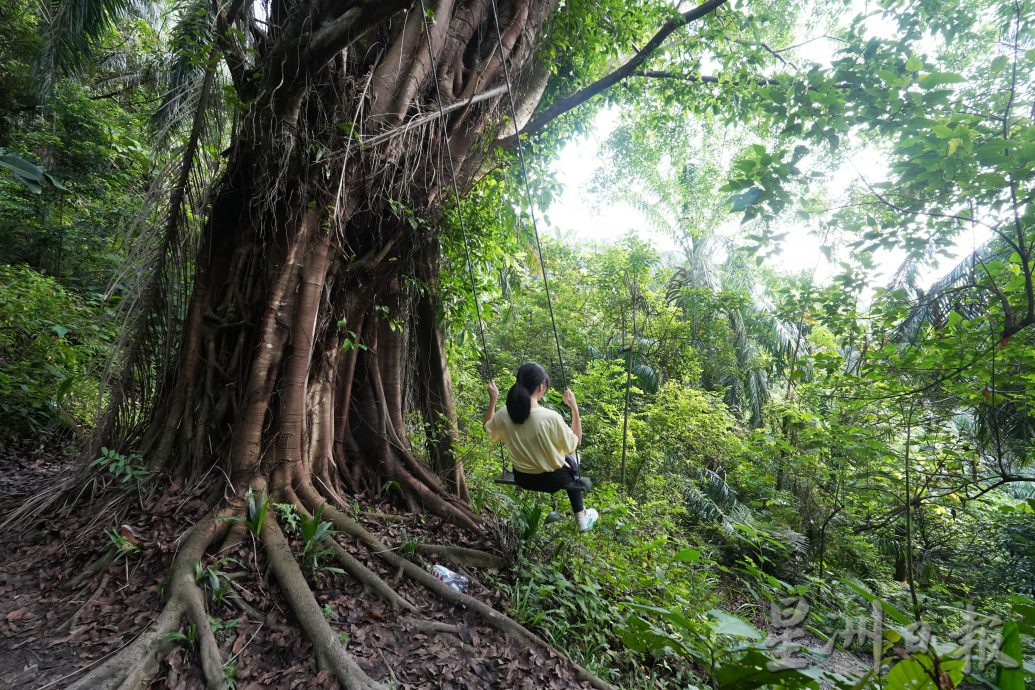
x=313, y=326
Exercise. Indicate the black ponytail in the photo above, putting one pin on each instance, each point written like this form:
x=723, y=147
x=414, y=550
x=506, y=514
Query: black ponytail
x=519, y=397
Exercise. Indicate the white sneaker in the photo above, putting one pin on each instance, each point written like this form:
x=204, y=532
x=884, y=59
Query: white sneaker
x=586, y=519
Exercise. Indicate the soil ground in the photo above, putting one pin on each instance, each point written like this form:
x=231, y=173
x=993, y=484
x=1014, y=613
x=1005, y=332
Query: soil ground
x=53, y=629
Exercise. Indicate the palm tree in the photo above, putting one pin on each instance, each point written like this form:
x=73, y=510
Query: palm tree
x=676, y=190
x=715, y=265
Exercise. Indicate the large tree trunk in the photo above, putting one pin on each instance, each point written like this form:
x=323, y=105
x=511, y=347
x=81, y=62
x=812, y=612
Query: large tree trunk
x=313, y=323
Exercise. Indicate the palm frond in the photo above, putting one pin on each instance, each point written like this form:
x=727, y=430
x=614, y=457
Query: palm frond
x=71, y=30
x=159, y=278
x=710, y=498
x=703, y=510
x=757, y=394
x=646, y=377
x=938, y=302
x=189, y=44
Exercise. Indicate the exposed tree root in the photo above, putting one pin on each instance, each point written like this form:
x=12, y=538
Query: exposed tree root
x=330, y=654
x=95, y=568
x=208, y=649
x=234, y=536
x=462, y=556
x=131, y=667
x=88, y=604
x=369, y=579
x=427, y=626
x=245, y=608
x=491, y=616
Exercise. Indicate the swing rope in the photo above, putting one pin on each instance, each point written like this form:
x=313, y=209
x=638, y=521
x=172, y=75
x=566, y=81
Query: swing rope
x=528, y=193
x=528, y=201
x=459, y=209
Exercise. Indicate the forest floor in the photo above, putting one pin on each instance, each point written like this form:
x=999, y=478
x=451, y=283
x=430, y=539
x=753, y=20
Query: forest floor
x=53, y=630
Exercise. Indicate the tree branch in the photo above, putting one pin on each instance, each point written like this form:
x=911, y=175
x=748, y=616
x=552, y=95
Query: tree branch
x=702, y=78
x=341, y=30
x=600, y=85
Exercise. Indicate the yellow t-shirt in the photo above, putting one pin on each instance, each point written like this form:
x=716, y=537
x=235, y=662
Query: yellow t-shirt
x=539, y=444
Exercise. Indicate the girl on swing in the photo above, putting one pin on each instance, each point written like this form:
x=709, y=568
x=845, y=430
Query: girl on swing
x=538, y=439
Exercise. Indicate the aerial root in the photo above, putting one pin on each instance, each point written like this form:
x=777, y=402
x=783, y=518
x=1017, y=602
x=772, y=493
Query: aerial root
x=492, y=617
x=330, y=654
x=134, y=664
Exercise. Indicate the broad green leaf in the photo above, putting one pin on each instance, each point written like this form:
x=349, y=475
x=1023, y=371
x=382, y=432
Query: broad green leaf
x=688, y=555
x=938, y=78
x=21, y=167
x=1011, y=678
x=64, y=388
x=889, y=610
x=749, y=671
x=54, y=182
x=908, y=674
x=733, y=625
x=741, y=201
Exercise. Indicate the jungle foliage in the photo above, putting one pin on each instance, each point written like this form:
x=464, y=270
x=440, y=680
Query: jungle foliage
x=855, y=438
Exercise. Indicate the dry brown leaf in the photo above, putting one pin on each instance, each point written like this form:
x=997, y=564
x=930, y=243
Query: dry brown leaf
x=17, y=614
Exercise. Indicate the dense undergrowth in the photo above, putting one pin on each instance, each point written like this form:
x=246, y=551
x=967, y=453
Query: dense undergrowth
x=722, y=530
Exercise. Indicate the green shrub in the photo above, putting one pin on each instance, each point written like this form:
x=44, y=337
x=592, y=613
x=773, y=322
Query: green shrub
x=51, y=350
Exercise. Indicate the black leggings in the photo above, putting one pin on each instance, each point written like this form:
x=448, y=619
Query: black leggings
x=551, y=482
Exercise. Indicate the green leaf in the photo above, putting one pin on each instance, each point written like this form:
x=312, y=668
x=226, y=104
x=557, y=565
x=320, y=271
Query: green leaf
x=688, y=556
x=60, y=331
x=909, y=674
x=1024, y=608
x=938, y=78
x=749, y=671
x=889, y=610
x=741, y=201
x=733, y=625
x=54, y=182
x=64, y=388
x=914, y=64
x=21, y=168
x=1011, y=678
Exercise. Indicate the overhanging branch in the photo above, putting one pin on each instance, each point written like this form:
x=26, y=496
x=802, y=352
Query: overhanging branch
x=627, y=69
